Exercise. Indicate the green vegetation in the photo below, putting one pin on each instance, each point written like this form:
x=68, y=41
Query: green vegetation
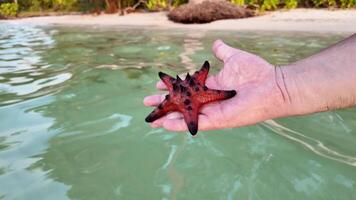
x=153, y=5
x=269, y=4
x=289, y=4
x=11, y=8
x=238, y=2
x=59, y=5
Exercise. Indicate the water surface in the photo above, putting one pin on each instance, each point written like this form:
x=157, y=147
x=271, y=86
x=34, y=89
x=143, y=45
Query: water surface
x=71, y=121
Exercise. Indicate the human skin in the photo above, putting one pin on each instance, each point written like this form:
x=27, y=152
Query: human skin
x=324, y=81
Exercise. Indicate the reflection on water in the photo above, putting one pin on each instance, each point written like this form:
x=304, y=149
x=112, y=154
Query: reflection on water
x=71, y=122
x=24, y=73
x=191, y=45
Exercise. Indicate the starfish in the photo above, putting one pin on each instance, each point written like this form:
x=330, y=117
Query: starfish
x=188, y=96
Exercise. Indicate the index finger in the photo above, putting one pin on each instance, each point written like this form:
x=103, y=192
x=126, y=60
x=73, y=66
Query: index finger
x=153, y=100
x=161, y=86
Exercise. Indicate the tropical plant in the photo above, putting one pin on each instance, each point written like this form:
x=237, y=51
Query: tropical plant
x=324, y=3
x=289, y=4
x=269, y=5
x=9, y=9
x=176, y=3
x=154, y=5
x=64, y=4
x=348, y=3
x=238, y=2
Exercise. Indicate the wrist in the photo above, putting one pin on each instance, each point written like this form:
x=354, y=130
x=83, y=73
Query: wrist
x=303, y=90
x=286, y=84
x=324, y=81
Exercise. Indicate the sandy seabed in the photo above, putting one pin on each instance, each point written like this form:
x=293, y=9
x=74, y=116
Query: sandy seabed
x=306, y=20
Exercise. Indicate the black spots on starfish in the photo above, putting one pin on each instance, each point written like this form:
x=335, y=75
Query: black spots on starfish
x=193, y=128
x=186, y=102
x=152, y=116
x=175, y=87
x=165, y=77
x=206, y=66
x=229, y=93
x=155, y=114
x=187, y=77
x=162, y=75
x=187, y=96
x=149, y=118
x=202, y=74
x=182, y=88
x=191, y=82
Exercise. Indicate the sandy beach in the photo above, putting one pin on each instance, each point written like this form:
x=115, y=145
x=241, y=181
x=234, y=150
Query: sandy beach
x=306, y=20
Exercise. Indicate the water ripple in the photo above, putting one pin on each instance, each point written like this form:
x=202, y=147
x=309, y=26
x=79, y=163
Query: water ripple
x=312, y=144
x=13, y=85
x=23, y=70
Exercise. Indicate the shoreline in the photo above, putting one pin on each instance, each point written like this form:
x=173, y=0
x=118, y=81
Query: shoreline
x=299, y=20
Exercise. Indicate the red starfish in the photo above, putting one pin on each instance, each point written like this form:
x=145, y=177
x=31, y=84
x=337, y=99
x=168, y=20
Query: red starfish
x=188, y=97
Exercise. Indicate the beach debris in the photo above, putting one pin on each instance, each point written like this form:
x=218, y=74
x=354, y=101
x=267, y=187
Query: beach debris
x=208, y=11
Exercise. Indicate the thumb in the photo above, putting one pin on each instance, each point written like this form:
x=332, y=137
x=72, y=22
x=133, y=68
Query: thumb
x=223, y=51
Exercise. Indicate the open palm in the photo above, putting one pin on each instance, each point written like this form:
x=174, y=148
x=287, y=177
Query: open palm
x=259, y=86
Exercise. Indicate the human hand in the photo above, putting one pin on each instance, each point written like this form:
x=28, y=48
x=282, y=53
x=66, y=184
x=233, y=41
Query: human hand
x=261, y=94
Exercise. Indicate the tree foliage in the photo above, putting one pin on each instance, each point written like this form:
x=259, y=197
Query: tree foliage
x=154, y=5
x=11, y=8
x=289, y=4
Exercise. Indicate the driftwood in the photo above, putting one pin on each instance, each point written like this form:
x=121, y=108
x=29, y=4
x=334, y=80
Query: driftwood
x=131, y=9
x=208, y=11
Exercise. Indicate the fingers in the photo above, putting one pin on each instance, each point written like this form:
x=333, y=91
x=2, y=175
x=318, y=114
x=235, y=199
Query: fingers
x=175, y=125
x=175, y=122
x=174, y=116
x=223, y=52
x=153, y=100
x=161, y=86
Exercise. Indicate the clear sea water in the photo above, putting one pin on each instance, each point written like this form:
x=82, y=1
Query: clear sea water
x=72, y=121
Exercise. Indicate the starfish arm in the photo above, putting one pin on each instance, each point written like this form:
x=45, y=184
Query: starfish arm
x=167, y=80
x=215, y=95
x=202, y=74
x=191, y=119
x=162, y=109
x=187, y=96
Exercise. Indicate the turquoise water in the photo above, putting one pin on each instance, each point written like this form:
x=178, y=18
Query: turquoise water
x=72, y=121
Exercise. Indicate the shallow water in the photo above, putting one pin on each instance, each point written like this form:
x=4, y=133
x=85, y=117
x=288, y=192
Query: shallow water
x=71, y=121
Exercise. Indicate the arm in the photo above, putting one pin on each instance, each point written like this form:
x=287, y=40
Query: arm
x=324, y=81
